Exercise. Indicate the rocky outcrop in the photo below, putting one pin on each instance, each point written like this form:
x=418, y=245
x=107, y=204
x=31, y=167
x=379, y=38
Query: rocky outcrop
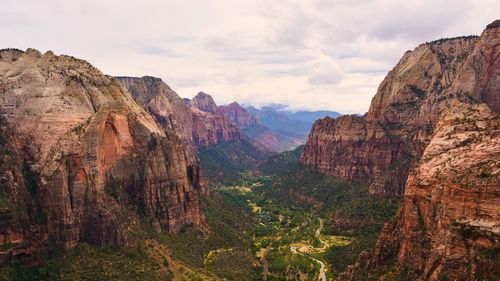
x=238, y=115
x=199, y=122
x=96, y=162
x=381, y=146
x=449, y=224
x=479, y=76
x=210, y=126
x=165, y=106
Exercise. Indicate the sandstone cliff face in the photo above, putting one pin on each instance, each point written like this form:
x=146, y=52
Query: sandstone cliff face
x=165, y=105
x=162, y=102
x=238, y=115
x=97, y=160
x=450, y=216
x=198, y=122
x=381, y=146
x=18, y=202
x=210, y=126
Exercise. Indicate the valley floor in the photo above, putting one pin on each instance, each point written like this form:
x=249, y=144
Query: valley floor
x=281, y=221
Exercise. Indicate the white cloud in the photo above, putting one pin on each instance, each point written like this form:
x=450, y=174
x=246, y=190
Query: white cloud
x=307, y=54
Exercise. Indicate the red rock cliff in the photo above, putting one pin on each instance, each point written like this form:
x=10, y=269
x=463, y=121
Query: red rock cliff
x=381, y=146
x=449, y=223
x=98, y=163
x=165, y=106
x=198, y=122
x=238, y=115
x=210, y=126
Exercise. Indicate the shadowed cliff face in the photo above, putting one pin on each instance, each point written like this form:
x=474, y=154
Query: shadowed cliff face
x=450, y=215
x=381, y=146
x=198, y=122
x=165, y=106
x=98, y=161
x=210, y=126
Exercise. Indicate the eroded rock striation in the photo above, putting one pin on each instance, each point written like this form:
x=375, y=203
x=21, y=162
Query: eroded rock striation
x=210, y=126
x=238, y=115
x=162, y=102
x=199, y=122
x=381, y=146
x=89, y=159
x=449, y=224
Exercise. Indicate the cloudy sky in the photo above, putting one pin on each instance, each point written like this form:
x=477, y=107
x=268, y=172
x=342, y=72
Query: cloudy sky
x=307, y=54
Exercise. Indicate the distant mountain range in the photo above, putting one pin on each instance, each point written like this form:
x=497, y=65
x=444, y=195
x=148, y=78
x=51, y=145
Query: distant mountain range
x=278, y=117
x=273, y=128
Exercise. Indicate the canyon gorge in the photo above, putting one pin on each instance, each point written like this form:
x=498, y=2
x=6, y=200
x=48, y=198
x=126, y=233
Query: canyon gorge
x=119, y=177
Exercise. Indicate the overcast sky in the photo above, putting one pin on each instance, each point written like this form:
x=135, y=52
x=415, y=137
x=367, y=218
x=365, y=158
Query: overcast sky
x=315, y=54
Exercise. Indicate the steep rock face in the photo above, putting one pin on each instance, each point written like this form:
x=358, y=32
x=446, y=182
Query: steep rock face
x=165, y=105
x=381, y=146
x=330, y=133
x=449, y=224
x=238, y=115
x=97, y=160
x=210, y=126
x=160, y=100
x=198, y=122
x=479, y=77
x=19, y=228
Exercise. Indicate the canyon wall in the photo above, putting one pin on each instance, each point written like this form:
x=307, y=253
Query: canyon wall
x=210, y=125
x=381, y=146
x=86, y=160
x=449, y=223
x=448, y=227
x=198, y=122
x=238, y=115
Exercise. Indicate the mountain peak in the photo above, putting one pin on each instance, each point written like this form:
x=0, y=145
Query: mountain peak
x=204, y=102
x=494, y=24
x=202, y=95
x=238, y=115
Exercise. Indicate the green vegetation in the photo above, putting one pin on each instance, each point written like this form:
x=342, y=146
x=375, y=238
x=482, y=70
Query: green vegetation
x=234, y=265
x=276, y=229
x=87, y=262
x=152, y=143
x=281, y=220
x=288, y=199
x=347, y=207
x=229, y=226
x=225, y=162
x=111, y=187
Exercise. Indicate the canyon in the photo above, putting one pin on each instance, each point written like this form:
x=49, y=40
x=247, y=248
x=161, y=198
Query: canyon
x=121, y=174
x=381, y=146
x=450, y=214
x=430, y=136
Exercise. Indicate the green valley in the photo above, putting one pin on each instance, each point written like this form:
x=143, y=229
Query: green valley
x=279, y=221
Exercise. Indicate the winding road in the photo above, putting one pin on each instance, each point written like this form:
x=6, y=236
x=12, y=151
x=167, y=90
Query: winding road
x=296, y=250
